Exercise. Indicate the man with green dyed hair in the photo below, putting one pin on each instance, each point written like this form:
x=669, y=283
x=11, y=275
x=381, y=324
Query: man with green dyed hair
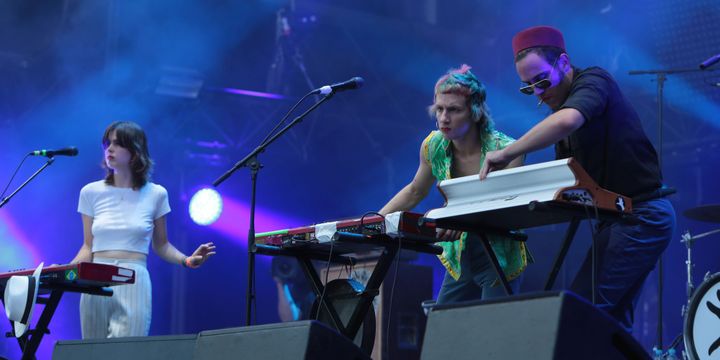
x=457, y=148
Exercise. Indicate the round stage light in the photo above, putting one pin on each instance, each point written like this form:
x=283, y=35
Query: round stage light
x=205, y=206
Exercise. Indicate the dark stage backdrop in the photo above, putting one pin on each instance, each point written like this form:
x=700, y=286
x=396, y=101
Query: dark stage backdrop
x=70, y=67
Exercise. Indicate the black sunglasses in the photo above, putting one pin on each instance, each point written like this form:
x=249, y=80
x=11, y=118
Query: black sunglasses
x=541, y=84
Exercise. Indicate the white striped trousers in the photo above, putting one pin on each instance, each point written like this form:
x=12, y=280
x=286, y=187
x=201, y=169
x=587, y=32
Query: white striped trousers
x=127, y=313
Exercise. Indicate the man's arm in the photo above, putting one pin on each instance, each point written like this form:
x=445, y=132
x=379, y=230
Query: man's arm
x=549, y=131
x=518, y=161
x=413, y=192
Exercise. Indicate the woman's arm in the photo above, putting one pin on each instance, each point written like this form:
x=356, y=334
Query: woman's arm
x=85, y=252
x=162, y=246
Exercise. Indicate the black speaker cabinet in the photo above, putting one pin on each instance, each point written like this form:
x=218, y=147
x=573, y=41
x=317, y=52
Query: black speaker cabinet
x=288, y=341
x=551, y=325
x=179, y=347
x=400, y=327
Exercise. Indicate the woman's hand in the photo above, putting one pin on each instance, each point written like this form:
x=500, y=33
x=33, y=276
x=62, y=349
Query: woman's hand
x=201, y=254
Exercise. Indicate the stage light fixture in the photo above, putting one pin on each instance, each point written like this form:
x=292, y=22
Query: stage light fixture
x=205, y=206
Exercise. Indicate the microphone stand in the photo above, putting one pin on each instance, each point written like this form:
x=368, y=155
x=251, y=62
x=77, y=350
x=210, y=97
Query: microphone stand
x=251, y=161
x=661, y=77
x=7, y=198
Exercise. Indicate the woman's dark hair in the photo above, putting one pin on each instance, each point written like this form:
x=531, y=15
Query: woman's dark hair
x=130, y=136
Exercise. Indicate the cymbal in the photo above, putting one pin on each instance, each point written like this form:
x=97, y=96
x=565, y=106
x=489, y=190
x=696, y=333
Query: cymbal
x=708, y=213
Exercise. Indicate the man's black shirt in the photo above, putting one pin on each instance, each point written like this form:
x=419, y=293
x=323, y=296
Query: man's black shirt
x=611, y=145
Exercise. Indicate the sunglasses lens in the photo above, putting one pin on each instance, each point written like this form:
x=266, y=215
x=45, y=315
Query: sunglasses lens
x=543, y=84
x=527, y=90
x=530, y=89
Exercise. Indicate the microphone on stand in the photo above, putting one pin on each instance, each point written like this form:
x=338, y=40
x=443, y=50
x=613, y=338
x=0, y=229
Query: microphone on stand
x=354, y=83
x=709, y=62
x=68, y=151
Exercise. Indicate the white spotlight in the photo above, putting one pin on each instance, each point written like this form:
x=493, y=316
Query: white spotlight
x=205, y=206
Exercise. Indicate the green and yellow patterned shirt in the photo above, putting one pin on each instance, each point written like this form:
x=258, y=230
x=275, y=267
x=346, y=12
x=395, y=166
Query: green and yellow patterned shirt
x=512, y=255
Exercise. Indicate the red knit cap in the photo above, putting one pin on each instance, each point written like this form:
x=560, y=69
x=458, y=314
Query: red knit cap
x=537, y=36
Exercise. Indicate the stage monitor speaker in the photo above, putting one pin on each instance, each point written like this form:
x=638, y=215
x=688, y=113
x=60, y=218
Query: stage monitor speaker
x=179, y=347
x=399, y=328
x=550, y=325
x=288, y=341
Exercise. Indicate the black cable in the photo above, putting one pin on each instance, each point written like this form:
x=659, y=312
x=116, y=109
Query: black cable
x=13, y=176
x=593, y=229
x=347, y=268
x=676, y=341
x=282, y=121
x=392, y=293
x=254, y=302
x=395, y=276
x=596, y=231
x=362, y=219
x=327, y=274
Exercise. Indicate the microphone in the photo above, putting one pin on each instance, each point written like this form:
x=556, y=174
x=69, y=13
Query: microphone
x=540, y=103
x=354, y=83
x=68, y=151
x=709, y=62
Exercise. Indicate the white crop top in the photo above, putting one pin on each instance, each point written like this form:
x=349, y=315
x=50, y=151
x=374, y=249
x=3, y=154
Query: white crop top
x=123, y=218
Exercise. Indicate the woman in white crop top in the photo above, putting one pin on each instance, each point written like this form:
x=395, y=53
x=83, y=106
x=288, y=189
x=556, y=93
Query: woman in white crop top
x=122, y=215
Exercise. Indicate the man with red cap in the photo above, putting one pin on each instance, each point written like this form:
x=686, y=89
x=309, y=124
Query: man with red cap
x=594, y=123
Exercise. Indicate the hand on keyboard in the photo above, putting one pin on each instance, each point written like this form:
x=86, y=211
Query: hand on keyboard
x=494, y=160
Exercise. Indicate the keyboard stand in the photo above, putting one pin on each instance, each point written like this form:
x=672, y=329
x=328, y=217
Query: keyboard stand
x=390, y=246
x=573, y=214
x=30, y=341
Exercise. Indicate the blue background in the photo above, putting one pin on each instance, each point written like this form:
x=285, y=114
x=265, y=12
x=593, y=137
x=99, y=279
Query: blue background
x=69, y=68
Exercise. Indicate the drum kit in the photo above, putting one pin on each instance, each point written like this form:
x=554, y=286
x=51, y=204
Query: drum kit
x=701, y=331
